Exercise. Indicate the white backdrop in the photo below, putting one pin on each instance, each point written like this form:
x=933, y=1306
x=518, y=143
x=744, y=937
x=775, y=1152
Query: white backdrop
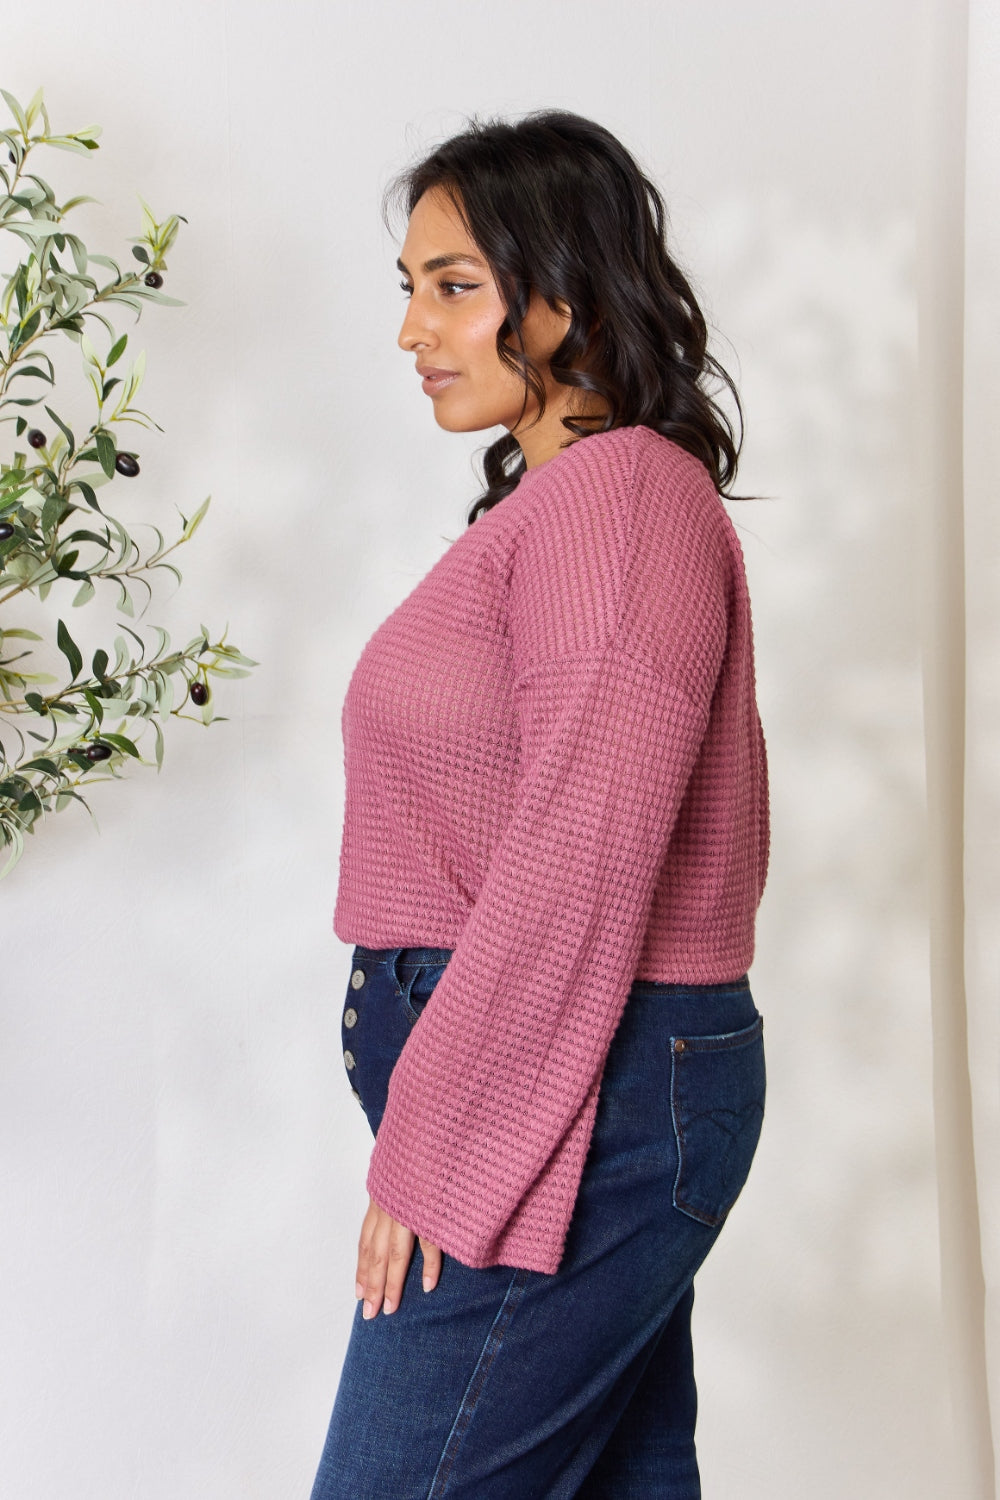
x=183, y=1164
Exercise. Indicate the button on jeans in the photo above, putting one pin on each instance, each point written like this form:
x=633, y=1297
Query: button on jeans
x=507, y=1384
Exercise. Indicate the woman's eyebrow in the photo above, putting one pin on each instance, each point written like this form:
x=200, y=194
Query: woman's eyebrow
x=438, y=263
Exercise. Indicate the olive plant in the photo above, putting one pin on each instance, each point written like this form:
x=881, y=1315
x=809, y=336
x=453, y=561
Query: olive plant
x=58, y=539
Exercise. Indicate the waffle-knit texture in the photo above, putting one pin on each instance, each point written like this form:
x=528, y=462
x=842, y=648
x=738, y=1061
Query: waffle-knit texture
x=555, y=767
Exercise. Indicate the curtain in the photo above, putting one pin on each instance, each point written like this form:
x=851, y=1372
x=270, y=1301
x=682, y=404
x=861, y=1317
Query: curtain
x=958, y=452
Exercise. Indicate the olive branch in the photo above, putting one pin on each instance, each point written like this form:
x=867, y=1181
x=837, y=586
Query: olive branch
x=55, y=736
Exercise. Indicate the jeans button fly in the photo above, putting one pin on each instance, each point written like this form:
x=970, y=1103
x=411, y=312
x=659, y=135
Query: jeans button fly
x=348, y=1060
x=357, y=979
x=350, y=1016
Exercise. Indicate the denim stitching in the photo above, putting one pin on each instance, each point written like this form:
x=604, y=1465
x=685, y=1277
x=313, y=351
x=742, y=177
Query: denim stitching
x=409, y=973
x=391, y=960
x=709, y=1220
x=725, y=1042
x=478, y=1380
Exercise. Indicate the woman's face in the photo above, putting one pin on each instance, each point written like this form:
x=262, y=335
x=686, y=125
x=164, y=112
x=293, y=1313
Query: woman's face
x=451, y=322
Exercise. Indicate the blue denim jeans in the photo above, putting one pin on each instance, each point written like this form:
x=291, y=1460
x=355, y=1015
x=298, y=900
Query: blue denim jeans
x=507, y=1384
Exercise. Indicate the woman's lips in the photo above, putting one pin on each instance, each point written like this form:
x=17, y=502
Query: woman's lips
x=436, y=380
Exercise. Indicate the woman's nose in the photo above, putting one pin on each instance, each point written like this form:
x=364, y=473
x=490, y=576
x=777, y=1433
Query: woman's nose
x=414, y=334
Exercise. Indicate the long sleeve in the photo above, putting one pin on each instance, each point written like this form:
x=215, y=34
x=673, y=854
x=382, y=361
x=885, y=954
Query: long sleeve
x=616, y=647
x=491, y=1104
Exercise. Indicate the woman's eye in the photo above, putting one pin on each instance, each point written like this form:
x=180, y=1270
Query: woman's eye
x=449, y=288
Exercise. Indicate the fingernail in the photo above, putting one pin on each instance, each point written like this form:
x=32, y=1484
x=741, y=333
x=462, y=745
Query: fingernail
x=428, y=1284
x=388, y=1307
x=359, y=1290
x=368, y=1311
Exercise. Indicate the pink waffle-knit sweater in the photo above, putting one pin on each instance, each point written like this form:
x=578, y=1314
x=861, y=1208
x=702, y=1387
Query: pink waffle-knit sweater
x=555, y=767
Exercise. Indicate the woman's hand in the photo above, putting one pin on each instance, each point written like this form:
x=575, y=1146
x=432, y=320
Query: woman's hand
x=384, y=1253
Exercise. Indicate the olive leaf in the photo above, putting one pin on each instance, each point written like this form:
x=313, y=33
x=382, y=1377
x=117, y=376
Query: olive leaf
x=54, y=734
x=69, y=649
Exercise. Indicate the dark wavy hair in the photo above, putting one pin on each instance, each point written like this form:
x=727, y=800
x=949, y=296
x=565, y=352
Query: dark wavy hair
x=557, y=205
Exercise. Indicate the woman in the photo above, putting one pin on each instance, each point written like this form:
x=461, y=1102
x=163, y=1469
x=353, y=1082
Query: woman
x=554, y=847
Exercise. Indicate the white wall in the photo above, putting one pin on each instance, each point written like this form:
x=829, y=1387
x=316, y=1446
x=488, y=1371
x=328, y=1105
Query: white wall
x=183, y=1165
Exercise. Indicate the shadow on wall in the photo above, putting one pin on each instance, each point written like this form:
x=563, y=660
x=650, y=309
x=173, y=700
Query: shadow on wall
x=824, y=318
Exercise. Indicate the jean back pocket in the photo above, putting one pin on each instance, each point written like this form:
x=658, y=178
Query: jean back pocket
x=717, y=1086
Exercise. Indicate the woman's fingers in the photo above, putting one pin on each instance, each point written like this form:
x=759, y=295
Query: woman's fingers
x=385, y=1250
x=401, y=1241
x=432, y=1264
x=384, y=1253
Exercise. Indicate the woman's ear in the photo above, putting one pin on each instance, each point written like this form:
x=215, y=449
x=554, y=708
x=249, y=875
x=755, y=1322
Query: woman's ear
x=545, y=326
x=565, y=311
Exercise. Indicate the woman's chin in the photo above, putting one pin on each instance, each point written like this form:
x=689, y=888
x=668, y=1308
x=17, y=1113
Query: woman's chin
x=456, y=421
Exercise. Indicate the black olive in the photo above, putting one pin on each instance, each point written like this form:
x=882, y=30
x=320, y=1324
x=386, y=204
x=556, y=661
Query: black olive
x=98, y=751
x=199, y=693
x=127, y=464
x=6, y=531
x=36, y=439
x=153, y=279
